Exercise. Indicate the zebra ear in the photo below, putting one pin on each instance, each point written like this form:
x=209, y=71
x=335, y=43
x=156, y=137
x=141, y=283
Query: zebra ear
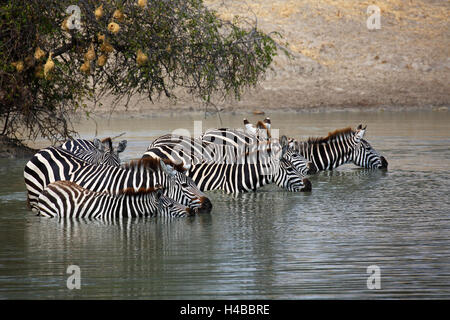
x=122, y=146
x=168, y=168
x=249, y=127
x=159, y=191
x=284, y=149
x=267, y=123
x=98, y=144
x=284, y=141
x=360, y=133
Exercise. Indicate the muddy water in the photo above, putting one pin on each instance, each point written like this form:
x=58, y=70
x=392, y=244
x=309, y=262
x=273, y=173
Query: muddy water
x=265, y=245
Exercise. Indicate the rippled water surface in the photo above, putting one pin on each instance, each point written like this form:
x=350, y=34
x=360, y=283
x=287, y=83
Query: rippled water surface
x=270, y=244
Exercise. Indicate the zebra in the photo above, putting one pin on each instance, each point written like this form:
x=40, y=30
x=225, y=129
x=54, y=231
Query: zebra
x=55, y=164
x=245, y=177
x=223, y=145
x=239, y=171
x=96, y=151
x=66, y=199
x=263, y=129
x=260, y=135
x=340, y=147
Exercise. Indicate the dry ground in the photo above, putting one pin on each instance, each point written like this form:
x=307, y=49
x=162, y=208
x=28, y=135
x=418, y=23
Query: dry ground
x=336, y=61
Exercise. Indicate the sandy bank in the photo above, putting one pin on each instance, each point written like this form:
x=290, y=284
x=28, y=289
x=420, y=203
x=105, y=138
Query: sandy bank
x=337, y=62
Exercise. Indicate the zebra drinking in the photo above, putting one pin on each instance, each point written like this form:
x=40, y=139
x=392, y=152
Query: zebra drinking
x=55, y=164
x=260, y=136
x=340, y=147
x=96, y=151
x=244, y=177
x=66, y=199
x=232, y=161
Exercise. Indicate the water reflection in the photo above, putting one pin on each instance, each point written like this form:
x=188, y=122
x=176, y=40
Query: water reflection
x=111, y=253
x=263, y=245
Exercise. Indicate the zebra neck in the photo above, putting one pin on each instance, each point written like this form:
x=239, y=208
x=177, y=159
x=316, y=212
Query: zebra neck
x=327, y=156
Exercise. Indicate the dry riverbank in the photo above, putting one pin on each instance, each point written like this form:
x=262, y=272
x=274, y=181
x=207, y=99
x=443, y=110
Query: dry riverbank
x=336, y=61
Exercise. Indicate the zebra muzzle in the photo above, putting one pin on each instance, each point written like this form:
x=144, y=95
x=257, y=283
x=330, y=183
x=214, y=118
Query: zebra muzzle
x=205, y=205
x=308, y=185
x=384, y=163
x=312, y=169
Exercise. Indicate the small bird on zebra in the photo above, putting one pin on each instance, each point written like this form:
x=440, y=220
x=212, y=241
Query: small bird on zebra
x=66, y=199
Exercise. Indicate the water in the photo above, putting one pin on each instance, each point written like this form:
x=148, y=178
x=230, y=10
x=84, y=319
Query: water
x=265, y=245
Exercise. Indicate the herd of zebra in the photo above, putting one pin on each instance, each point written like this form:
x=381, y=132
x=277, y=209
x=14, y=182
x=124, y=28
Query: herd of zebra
x=85, y=179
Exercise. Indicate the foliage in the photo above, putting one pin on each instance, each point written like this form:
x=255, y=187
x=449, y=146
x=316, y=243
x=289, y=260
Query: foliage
x=122, y=48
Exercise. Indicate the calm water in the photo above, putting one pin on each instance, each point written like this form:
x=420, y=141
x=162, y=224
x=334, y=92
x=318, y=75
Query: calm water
x=265, y=245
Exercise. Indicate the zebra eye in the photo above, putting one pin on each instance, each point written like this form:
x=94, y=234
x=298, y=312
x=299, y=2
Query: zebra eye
x=184, y=185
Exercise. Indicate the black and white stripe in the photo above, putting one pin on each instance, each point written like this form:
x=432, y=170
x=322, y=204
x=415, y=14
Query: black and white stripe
x=341, y=147
x=244, y=177
x=96, y=151
x=56, y=164
x=65, y=199
x=257, y=138
x=233, y=161
x=224, y=145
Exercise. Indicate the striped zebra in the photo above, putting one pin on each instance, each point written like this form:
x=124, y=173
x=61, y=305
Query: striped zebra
x=96, y=151
x=245, y=177
x=259, y=137
x=223, y=145
x=56, y=164
x=225, y=148
x=340, y=147
x=66, y=199
x=243, y=166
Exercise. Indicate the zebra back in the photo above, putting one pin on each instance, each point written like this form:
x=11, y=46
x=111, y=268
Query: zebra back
x=340, y=147
x=242, y=167
x=192, y=151
x=55, y=164
x=68, y=200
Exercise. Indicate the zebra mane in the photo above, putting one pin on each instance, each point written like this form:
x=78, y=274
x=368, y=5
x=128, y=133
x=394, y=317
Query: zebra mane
x=331, y=136
x=153, y=164
x=140, y=191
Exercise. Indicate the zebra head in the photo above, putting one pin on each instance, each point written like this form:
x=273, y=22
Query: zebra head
x=288, y=176
x=184, y=190
x=303, y=165
x=363, y=154
x=167, y=207
x=107, y=153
